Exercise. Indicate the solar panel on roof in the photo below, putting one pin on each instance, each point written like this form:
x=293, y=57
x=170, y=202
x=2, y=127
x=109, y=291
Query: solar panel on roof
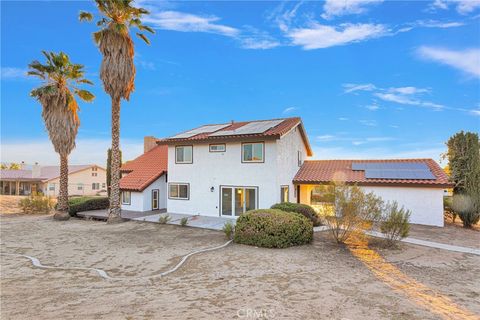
x=250, y=128
x=202, y=129
x=394, y=170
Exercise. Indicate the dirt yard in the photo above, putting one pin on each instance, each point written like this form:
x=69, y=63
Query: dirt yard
x=318, y=281
x=9, y=204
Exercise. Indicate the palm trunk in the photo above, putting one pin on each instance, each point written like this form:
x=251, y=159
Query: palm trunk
x=62, y=203
x=114, y=214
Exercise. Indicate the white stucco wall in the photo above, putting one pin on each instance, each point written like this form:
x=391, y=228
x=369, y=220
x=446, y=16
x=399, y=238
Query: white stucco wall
x=142, y=201
x=215, y=169
x=426, y=204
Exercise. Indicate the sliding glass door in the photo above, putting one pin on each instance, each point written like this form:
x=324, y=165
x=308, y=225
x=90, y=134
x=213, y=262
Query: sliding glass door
x=237, y=200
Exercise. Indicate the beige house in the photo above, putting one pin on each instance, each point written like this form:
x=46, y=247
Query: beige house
x=87, y=179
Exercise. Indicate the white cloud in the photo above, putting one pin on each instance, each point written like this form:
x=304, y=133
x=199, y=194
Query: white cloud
x=467, y=60
x=475, y=112
x=343, y=119
x=325, y=137
x=372, y=107
x=334, y=8
x=462, y=6
x=289, y=110
x=408, y=100
x=187, y=22
x=318, y=36
x=13, y=73
x=368, y=123
x=352, y=87
x=87, y=151
x=408, y=90
x=253, y=38
x=438, y=24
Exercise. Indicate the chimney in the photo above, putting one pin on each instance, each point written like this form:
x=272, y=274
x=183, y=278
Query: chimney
x=149, y=142
x=36, y=172
x=23, y=166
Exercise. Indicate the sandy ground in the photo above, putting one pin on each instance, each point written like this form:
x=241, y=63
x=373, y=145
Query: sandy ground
x=453, y=234
x=317, y=281
x=9, y=204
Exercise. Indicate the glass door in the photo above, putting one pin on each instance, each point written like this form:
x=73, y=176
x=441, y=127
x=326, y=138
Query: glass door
x=237, y=200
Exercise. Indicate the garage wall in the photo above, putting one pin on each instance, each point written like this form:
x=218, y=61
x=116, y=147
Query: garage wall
x=426, y=204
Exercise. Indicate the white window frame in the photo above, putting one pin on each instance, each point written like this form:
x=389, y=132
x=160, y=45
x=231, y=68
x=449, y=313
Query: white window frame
x=94, y=186
x=183, y=162
x=300, y=158
x=178, y=184
x=253, y=143
x=223, y=145
x=282, y=193
x=124, y=193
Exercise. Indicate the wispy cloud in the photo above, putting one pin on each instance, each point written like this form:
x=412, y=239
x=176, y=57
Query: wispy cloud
x=13, y=73
x=343, y=119
x=351, y=87
x=467, y=60
x=372, y=107
x=318, y=36
x=333, y=8
x=252, y=38
x=326, y=137
x=462, y=6
x=289, y=110
x=438, y=24
x=368, y=123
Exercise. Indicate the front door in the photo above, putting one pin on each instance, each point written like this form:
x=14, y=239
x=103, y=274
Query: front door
x=237, y=200
x=155, y=199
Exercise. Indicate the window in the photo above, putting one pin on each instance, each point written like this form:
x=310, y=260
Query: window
x=284, y=194
x=80, y=187
x=95, y=186
x=300, y=158
x=126, y=197
x=94, y=169
x=51, y=187
x=94, y=174
x=217, y=147
x=252, y=152
x=103, y=185
x=322, y=195
x=179, y=191
x=184, y=154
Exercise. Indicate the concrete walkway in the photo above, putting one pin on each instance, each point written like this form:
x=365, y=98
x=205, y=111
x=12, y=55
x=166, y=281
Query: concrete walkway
x=196, y=221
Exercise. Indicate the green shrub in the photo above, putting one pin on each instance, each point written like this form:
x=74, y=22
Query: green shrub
x=305, y=210
x=164, y=219
x=228, y=228
x=87, y=204
x=273, y=228
x=464, y=206
x=184, y=221
x=395, y=223
x=447, y=209
x=36, y=204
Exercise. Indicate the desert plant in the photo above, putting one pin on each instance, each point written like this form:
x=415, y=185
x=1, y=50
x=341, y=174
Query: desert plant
x=62, y=79
x=447, y=209
x=184, y=221
x=355, y=212
x=228, y=229
x=86, y=204
x=36, y=204
x=164, y=219
x=464, y=206
x=117, y=71
x=305, y=210
x=395, y=222
x=273, y=228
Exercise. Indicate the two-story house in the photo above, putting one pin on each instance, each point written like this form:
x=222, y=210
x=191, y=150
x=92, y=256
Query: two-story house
x=227, y=169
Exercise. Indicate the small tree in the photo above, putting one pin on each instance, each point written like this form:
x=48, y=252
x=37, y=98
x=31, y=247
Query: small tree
x=395, y=223
x=464, y=206
x=355, y=211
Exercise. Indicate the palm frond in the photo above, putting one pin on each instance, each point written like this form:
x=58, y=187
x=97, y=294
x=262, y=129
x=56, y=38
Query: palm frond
x=85, y=16
x=147, y=28
x=143, y=37
x=85, y=95
x=85, y=81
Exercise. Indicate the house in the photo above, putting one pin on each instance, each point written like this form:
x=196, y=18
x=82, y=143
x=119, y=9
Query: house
x=227, y=169
x=87, y=179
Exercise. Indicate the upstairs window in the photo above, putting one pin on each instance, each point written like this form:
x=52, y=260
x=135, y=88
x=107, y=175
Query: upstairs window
x=253, y=152
x=217, y=147
x=184, y=154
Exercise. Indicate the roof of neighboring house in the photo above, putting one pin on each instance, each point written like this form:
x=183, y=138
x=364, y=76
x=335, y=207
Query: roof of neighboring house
x=7, y=174
x=145, y=169
x=46, y=173
x=326, y=171
x=275, y=132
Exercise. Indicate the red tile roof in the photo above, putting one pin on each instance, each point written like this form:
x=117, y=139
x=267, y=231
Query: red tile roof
x=275, y=133
x=326, y=171
x=145, y=169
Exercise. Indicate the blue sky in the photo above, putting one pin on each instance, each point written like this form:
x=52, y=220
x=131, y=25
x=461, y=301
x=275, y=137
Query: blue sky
x=370, y=78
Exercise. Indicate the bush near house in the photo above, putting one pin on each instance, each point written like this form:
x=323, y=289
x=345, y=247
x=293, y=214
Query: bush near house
x=273, y=228
x=394, y=223
x=305, y=210
x=87, y=204
x=36, y=204
x=464, y=206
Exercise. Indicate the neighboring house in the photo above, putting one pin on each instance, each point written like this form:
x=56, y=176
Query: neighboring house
x=227, y=169
x=82, y=180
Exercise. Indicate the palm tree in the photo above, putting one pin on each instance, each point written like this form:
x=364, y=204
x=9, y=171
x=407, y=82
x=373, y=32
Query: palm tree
x=117, y=71
x=60, y=111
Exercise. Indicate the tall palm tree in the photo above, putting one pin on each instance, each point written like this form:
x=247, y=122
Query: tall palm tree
x=117, y=71
x=62, y=79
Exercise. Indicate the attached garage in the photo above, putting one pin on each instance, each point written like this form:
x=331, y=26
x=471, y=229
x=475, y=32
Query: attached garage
x=416, y=184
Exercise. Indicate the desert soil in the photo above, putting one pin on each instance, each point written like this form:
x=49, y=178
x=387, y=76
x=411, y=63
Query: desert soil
x=9, y=204
x=323, y=280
